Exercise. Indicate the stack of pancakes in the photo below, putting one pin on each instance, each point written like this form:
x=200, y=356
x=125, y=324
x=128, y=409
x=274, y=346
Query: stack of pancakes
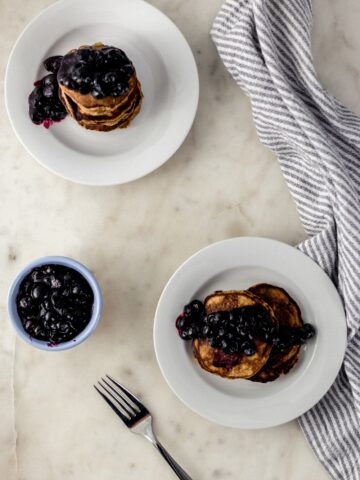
x=268, y=363
x=106, y=113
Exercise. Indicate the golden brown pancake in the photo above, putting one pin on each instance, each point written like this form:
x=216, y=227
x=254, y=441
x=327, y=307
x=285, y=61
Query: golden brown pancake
x=103, y=114
x=214, y=360
x=287, y=314
x=104, y=118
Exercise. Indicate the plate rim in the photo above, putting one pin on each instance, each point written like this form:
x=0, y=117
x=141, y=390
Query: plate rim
x=144, y=171
x=201, y=251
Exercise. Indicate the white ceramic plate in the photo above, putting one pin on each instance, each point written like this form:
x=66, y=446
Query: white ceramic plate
x=236, y=264
x=165, y=66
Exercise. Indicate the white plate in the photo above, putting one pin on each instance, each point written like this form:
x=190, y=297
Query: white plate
x=165, y=66
x=236, y=264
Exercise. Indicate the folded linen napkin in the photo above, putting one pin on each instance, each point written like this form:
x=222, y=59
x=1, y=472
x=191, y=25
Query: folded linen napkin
x=266, y=46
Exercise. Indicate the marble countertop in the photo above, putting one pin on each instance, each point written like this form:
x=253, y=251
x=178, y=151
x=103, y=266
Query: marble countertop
x=221, y=183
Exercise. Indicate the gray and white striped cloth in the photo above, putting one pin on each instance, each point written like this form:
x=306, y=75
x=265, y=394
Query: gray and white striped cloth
x=266, y=46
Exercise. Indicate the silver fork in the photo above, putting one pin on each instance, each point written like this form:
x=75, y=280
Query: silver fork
x=135, y=416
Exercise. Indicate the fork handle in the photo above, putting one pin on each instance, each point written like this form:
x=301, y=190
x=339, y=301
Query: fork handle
x=174, y=465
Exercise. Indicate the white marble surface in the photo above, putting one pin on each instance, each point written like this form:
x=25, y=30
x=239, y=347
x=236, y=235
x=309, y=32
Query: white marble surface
x=221, y=183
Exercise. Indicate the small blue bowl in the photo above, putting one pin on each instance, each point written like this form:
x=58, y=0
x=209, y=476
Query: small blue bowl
x=96, y=312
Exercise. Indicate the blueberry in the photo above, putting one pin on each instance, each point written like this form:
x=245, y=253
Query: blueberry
x=37, y=330
x=206, y=330
x=49, y=91
x=84, y=54
x=52, y=64
x=224, y=344
x=112, y=53
x=221, y=332
x=248, y=348
x=229, y=336
x=180, y=322
x=97, y=93
x=241, y=331
x=75, y=290
x=52, y=325
x=36, y=117
x=214, y=318
x=197, y=306
x=38, y=101
x=86, y=80
x=127, y=71
x=55, y=282
x=28, y=325
x=70, y=317
x=65, y=292
x=79, y=72
x=38, y=292
x=109, y=78
x=192, y=332
x=183, y=334
x=25, y=302
x=55, y=297
x=187, y=310
x=194, y=308
x=308, y=331
x=65, y=81
x=37, y=93
x=58, y=116
x=49, y=79
x=233, y=348
x=120, y=89
x=64, y=327
x=48, y=316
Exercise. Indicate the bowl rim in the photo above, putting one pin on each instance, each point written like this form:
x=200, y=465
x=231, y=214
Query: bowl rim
x=14, y=317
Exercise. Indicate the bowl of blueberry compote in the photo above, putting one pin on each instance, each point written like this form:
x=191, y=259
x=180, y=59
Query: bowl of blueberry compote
x=54, y=303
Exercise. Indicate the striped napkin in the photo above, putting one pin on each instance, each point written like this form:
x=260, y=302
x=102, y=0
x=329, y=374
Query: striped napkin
x=266, y=46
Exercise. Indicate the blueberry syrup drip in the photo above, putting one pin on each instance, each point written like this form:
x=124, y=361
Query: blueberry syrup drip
x=233, y=333
x=45, y=106
x=102, y=72
x=54, y=303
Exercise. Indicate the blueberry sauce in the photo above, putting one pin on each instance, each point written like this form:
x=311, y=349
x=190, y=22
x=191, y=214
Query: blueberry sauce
x=102, y=72
x=45, y=106
x=54, y=303
x=233, y=333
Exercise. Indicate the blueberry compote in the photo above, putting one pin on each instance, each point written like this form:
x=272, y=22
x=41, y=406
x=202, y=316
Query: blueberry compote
x=101, y=71
x=234, y=332
x=54, y=303
x=45, y=106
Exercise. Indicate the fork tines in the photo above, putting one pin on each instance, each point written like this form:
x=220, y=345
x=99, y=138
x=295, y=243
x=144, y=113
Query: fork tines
x=121, y=400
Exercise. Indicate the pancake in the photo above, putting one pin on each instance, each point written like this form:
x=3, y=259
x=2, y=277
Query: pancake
x=287, y=314
x=104, y=118
x=109, y=109
x=214, y=360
